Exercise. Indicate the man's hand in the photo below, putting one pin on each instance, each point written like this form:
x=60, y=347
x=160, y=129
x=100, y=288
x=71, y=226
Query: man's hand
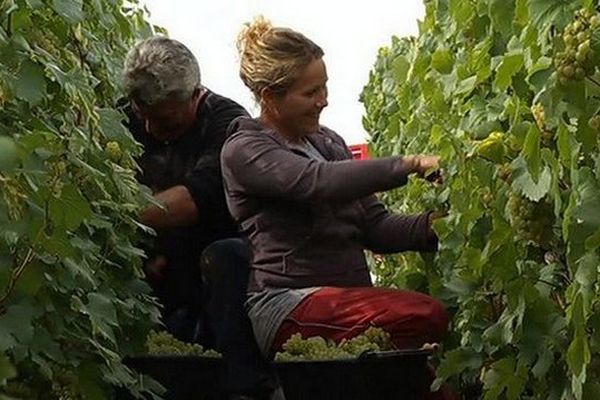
x=179, y=209
x=155, y=269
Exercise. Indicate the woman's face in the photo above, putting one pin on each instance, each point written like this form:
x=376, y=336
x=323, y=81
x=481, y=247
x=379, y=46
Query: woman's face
x=296, y=113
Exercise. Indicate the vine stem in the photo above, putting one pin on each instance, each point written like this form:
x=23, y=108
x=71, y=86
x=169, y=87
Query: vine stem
x=593, y=81
x=554, y=285
x=17, y=273
x=14, y=278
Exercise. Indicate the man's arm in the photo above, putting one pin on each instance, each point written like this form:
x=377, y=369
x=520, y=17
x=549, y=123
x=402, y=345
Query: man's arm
x=179, y=209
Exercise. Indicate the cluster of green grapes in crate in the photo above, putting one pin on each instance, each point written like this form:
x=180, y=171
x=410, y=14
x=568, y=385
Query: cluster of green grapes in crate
x=296, y=348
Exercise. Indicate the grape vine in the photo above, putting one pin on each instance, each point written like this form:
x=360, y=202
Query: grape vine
x=508, y=94
x=72, y=301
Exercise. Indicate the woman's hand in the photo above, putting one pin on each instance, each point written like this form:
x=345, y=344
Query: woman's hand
x=427, y=167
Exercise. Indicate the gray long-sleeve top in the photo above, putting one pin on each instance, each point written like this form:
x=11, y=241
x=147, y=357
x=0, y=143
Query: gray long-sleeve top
x=309, y=221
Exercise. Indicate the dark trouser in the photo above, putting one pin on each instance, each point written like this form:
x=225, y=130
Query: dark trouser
x=225, y=270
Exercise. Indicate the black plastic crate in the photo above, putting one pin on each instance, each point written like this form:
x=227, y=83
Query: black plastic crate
x=383, y=376
x=397, y=375
x=184, y=377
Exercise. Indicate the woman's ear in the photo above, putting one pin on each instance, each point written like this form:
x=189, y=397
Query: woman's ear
x=267, y=101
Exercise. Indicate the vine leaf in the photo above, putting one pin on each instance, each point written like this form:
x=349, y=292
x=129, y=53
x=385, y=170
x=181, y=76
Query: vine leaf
x=524, y=183
x=7, y=370
x=547, y=13
x=531, y=152
x=70, y=209
x=30, y=84
x=70, y=10
x=509, y=66
x=8, y=154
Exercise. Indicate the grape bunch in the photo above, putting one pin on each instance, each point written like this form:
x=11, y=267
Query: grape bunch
x=113, y=150
x=163, y=343
x=380, y=337
x=594, y=122
x=533, y=221
x=64, y=385
x=504, y=172
x=297, y=348
x=539, y=115
x=56, y=172
x=576, y=61
x=18, y=390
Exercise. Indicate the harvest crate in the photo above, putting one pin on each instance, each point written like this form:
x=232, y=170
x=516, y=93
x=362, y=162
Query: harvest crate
x=373, y=376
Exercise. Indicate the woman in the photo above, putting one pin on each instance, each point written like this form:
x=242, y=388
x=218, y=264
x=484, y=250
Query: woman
x=309, y=211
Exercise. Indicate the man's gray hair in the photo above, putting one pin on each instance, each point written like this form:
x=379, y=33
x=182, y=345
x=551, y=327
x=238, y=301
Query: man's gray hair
x=159, y=68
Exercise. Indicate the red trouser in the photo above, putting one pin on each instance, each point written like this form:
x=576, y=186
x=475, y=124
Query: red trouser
x=411, y=318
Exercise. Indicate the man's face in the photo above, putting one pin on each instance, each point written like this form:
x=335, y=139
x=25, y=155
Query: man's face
x=299, y=109
x=168, y=119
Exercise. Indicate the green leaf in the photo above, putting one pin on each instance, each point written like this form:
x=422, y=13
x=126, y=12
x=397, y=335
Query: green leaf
x=34, y=4
x=103, y=315
x=543, y=364
x=467, y=85
x=523, y=181
x=18, y=323
x=70, y=209
x=502, y=13
x=531, y=152
x=31, y=280
x=7, y=370
x=70, y=10
x=578, y=354
x=442, y=61
x=111, y=124
x=522, y=12
x=8, y=154
x=547, y=13
x=400, y=67
x=89, y=378
x=505, y=375
x=462, y=11
x=458, y=360
x=568, y=148
x=510, y=65
x=30, y=84
x=587, y=271
x=586, y=212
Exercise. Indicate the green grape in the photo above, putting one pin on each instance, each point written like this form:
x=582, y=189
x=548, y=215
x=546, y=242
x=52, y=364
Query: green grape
x=539, y=114
x=113, y=149
x=576, y=61
x=317, y=348
x=381, y=337
x=594, y=122
x=64, y=384
x=533, y=221
x=163, y=343
x=18, y=390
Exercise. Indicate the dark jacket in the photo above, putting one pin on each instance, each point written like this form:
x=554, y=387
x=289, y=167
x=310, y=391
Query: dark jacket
x=191, y=160
x=309, y=221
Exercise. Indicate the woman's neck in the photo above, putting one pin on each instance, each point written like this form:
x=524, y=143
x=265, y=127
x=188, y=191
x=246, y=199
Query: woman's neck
x=280, y=129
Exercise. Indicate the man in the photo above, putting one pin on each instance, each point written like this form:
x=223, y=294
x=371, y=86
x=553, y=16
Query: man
x=182, y=126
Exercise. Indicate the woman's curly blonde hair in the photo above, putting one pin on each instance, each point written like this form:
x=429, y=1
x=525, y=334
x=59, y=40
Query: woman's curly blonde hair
x=273, y=57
